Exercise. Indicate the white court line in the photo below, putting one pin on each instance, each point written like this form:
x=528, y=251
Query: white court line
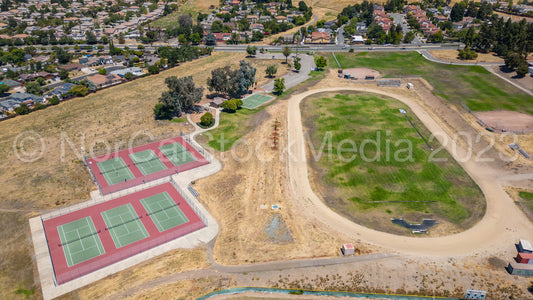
x=130, y=208
x=67, y=245
x=111, y=231
x=93, y=236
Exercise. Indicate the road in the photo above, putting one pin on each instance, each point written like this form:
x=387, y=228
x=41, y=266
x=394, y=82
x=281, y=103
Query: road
x=399, y=20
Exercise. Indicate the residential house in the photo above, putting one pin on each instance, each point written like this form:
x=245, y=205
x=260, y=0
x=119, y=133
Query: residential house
x=11, y=83
x=60, y=91
x=102, y=81
x=133, y=70
x=320, y=38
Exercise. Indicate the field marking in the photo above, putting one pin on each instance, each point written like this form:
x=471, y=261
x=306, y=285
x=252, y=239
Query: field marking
x=69, y=253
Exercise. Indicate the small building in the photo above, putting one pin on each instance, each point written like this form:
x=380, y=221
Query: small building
x=217, y=101
x=520, y=269
x=524, y=246
x=348, y=249
x=71, y=67
x=531, y=71
x=524, y=258
x=60, y=91
x=357, y=39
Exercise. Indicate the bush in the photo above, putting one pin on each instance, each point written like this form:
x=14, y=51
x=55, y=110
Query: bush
x=206, y=119
x=128, y=76
x=153, y=69
x=54, y=100
x=102, y=71
x=467, y=53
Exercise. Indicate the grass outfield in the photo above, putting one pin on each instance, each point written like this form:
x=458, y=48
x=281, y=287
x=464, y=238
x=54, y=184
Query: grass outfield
x=371, y=192
x=472, y=85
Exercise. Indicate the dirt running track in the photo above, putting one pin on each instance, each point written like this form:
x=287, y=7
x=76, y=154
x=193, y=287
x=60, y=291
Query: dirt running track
x=502, y=225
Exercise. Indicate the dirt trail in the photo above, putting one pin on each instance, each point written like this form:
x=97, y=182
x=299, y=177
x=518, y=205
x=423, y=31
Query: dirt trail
x=502, y=224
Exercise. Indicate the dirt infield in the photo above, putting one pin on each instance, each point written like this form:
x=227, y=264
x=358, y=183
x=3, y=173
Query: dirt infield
x=507, y=120
x=361, y=73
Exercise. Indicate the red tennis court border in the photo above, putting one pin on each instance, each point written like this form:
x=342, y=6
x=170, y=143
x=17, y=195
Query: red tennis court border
x=105, y=188
x=64, y=273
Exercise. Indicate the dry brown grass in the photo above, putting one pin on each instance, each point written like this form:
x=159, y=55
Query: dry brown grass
x=111, y=116
x=176, y=261
x=235, y=194
x=452, y=55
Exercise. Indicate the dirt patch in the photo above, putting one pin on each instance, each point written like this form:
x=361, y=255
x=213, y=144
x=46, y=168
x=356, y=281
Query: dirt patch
x=277, y=231
x=361, y=73
x=507, y=120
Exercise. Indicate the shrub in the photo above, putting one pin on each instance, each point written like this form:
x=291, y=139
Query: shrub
x=467, y=53
x=206, y=119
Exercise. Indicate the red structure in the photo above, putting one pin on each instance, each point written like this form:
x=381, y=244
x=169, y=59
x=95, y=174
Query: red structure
x=105, y=188
x=524, y=258
x=113, y=254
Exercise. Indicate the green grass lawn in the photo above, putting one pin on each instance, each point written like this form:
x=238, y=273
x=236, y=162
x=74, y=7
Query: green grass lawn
x=232, y=127
x=526, y=201
x=472, y=85
x=371, y=186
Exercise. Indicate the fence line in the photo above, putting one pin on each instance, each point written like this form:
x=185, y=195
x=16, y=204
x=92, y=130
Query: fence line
x=192, y=203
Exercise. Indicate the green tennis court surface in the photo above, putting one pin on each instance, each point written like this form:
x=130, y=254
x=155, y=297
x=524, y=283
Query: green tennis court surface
x=177, y=154
x=164, y=211
x=147, y=162
x=124, y=225
x=255, y=100
x=80, y=241
x=115, y=170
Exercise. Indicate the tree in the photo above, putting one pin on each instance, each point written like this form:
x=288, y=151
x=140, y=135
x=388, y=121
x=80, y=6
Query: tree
x=90, y=38
x=79, y=90
x=257, y=36
x=436, y=38
x=279, y=86
x=251, y=50
x=23, y=109
x=54, y=100
x=102, y=71
x=286, y=53
x=231, y=105
x=33, y=87
x=320, y=62
x=162, y=112
x=4, y=88
x=63, y=74
x=271, y=70
x=210, y=40
x=467, y=53
x=206, y=119
x=458, y=12
x=128, y=76
x=297, y=64
x=513, y=60
x=522, y=70
x=62, y=55
x=182, y=94
x=232, y=82
x=302, y=6
x=409, y=37
x=195, y=38
x=153, y=69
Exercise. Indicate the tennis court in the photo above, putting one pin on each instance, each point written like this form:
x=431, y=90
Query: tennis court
x=177, y=154
x=164, y=211
x=147, y=162
x=115, y=170
x=80, y=241
x=255, y=100
x=124, y=225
